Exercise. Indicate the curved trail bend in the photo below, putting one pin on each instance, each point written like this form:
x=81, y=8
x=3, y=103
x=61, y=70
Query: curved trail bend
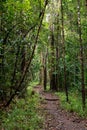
x=55, y=117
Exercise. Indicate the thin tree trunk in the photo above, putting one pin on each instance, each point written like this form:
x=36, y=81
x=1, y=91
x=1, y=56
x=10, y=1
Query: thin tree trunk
x=30, y=59
x=53, y=85
x=45, y=71
x=81, y=56
x=45, y=77
x=63, y=42
x=57, y=52
x=23, y=55
x=41, y=69
x=15, y=68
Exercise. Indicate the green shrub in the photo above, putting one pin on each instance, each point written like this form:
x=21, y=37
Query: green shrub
x=74, y=104
x=23, y=115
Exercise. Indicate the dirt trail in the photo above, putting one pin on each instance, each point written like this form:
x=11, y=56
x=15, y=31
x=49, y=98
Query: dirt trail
x=57, y=118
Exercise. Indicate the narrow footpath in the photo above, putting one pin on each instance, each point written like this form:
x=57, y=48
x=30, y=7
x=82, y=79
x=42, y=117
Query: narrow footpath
x=55, y=117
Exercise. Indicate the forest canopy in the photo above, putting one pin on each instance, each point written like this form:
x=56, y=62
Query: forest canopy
x=45, y=41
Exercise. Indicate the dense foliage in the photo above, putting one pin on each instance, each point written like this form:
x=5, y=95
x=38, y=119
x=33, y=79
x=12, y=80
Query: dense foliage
x=45, y=41
x=67, y=57
x=23, y=115
x=20, y=23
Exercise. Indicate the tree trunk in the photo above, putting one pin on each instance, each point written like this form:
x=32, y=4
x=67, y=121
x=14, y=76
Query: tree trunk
x=81, y=56
x=30, y=58
x=53, y=84
x=45, y=70
x=63, y=42
x=14, y=71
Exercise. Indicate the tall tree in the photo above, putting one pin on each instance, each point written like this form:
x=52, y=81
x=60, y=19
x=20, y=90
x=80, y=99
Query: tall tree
x=81, y=54
x=30, y=58
x=64, y=53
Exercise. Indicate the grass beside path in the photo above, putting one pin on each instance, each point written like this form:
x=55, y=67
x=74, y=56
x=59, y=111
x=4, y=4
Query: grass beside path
x=23, y=115
x=74, y=104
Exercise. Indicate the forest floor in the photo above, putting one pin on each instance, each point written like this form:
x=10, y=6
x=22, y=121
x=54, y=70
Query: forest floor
x=55, y=117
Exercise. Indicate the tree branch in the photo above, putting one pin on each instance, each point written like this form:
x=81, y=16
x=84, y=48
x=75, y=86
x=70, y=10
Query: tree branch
x=30, y=59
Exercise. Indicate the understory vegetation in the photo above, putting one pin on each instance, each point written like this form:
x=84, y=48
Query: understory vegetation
x=23, y=114
x=74, y=104
x=43, y=41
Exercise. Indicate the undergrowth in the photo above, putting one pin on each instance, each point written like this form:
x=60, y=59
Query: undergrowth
x=33, y=84
x=23, y=115
x=74, y=104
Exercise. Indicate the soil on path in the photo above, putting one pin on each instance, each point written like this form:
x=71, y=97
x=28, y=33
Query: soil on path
x=55, y=117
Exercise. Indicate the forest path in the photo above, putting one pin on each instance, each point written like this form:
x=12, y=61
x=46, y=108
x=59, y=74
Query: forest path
x=55, y=117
